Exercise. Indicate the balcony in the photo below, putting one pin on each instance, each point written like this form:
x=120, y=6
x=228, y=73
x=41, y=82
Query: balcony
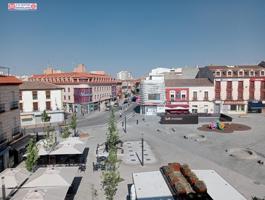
x=14, y=105
x=16, y=131
x=2, y=108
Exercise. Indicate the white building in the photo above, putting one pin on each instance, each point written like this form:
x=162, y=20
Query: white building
x=152, y=93
x=189, y=96
x=35, y=97
x=124, y=75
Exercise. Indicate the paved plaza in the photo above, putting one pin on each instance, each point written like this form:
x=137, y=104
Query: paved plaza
x=234, y=156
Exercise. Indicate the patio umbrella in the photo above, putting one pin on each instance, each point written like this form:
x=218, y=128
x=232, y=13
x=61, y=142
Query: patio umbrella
x=34, y=195
x=72, y=140
x=13, y=178
x=50, y=177
x=68, y=149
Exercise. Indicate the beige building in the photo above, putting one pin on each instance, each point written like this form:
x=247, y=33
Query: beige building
x=9, y=118
x=238, y=89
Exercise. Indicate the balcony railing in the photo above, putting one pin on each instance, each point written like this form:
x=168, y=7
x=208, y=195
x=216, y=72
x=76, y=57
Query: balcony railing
x=2, y=107
x=14, y=105
x=16, y=131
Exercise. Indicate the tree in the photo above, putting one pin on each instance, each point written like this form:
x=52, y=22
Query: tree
x=49, y=141
x=66, y=133
x=32, y=155
x=112, y=135
x=111, y=177
x=45, y=117
x=73, y=123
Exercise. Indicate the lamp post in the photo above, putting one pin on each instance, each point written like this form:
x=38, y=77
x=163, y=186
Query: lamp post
x=3, y=188
x=125, y=130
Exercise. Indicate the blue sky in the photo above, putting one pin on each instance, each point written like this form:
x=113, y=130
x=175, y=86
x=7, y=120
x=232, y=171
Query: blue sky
x=135, y=35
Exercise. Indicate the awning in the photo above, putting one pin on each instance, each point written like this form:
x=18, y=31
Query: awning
x=255, y=105
x=177, y=106
x=20, y=143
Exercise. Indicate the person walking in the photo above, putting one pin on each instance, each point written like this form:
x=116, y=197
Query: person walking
x=137, y=121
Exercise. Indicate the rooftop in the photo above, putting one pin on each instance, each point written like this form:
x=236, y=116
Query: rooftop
x=9, y=80
x=37, y=85
x=70, y=74
x=215, y=67
x=151, y=185
x=188, y=82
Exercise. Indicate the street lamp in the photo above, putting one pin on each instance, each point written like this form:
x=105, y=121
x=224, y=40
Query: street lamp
x=3, y=188
x=125, y=119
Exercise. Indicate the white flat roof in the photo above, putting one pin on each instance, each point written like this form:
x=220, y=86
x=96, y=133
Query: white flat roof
x=217, y=187
x=151, y=185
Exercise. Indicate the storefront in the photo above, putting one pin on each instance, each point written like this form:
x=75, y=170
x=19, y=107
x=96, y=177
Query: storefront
x=255, y=106
x=234, y=107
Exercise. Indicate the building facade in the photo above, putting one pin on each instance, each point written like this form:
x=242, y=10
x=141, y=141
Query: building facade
x=83, y=92
x=10, y=132
x=124, y=75
x=238, y=89
x=35, y=97
x=185, y=96
x=152, y=95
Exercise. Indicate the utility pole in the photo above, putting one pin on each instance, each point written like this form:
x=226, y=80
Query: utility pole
x=142, y=149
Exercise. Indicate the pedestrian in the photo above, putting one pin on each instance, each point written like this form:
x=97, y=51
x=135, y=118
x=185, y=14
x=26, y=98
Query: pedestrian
x=120, y=115
x=137, y=121
x=122, y=123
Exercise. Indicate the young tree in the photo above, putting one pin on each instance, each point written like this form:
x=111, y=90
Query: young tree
x=73, y=123
x=32, y=155
x=49, y=141
x=112, y=135
x=66, y=132
x=111, y=177
x=45, y=117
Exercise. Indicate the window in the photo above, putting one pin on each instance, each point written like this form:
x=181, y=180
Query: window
x=194, y=95
x=229, y=85
x=241, y=107
x=21, y=107
x=48, y=94
x=183, y=96
x=35, y=106
x=69, y=97
x=48, y=105
x=194, y=109
x=35, y=95
x=262, y=73
x=153, y=96
x=205, y=109
x=218, y=73
x=64, y=97
x=233, y=107
x=68, y=89
x=240, y=73
x=178, y=95
x=206, y=96
x=251, y=73
x=229, y=73
x=172, y=95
